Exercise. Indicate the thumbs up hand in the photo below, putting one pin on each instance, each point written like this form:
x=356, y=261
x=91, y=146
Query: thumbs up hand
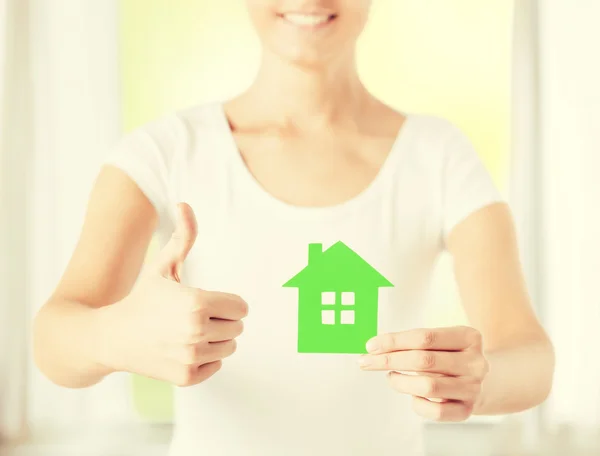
x=171, y=332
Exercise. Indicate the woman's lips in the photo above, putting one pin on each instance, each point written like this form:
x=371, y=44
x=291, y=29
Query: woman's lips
x=308, y=21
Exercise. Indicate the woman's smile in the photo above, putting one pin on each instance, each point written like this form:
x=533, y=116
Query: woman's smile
x=308, y=21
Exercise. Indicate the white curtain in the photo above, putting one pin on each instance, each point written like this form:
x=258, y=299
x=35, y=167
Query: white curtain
x=524, y=178
x=556, y=190
x=570, y=145
x=59, y=96
x=15, y=154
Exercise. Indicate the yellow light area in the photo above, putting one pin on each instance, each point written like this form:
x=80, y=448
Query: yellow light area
x=445, y=57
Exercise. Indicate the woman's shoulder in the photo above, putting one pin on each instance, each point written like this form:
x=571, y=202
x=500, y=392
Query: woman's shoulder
x=434, y=126
x=169, y=134
x=177, y=122
x=199, y=114
x=435, y=144
x=165, y=136
x=435, y=138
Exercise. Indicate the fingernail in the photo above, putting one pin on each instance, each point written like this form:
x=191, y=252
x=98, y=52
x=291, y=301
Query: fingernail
x=372, y=345
x=363, y=361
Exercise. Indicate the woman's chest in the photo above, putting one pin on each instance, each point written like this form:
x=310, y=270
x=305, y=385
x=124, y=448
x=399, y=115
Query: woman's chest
x=316, y=171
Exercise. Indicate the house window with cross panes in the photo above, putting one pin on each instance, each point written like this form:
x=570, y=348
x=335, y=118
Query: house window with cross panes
x=337, y=314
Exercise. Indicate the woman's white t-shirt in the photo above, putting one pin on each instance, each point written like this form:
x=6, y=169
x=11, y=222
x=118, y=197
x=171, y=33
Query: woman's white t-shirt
x=272, y=397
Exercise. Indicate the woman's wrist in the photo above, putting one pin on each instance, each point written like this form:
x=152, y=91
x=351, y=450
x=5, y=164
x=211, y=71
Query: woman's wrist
x=104, y=351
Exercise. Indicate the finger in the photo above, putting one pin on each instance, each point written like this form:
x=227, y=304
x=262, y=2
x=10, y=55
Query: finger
x=207, y=370
x=442, y=387
x=219, y=350
x=222, y=330
x=204, y=352
x=451, y=411
x=446, y=363
x=171, y=257
x=447, y=339
x=225, y=306
x=196, y=350
x=192, y=375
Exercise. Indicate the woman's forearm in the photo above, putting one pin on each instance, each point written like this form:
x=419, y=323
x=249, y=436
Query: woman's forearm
x=520, y=377
x=68, y=339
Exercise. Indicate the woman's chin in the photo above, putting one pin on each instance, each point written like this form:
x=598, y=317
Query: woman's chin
x=305, y=58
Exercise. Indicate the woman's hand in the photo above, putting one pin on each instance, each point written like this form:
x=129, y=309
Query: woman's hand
x=168, y=331
x=449, y=366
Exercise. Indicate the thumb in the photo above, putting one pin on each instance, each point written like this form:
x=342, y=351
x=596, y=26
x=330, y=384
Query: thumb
x=171, y=257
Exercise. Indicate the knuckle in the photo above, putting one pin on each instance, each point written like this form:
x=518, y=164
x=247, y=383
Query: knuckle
x=431, y=388
x=480, y=367
x=240, y=327
x=471, y=386
x=227, y=349
x=199, y=302
x=192, y=353
x=474, y=336
x=474, y=388
x=200, y=332
x=466, y=411
x=200, y=328
x=428, y=338
x=201, y=311
x=218, y=365
x=387, y=342
x=484, y=368
x=238, y=303
x=427, y=360
x=196, y=330
x=185, y=376
x=385, y=361
x=439, y=412
x=233, y=346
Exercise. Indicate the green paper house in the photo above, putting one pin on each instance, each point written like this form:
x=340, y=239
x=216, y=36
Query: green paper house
x=337, y=300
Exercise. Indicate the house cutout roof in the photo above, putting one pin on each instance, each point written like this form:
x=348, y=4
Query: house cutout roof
x=337, y=267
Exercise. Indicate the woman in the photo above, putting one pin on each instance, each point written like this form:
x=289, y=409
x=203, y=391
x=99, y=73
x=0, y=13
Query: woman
x=305, y=181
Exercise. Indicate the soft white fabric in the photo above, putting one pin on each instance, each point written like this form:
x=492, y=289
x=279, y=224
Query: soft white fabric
x=268, y=399
x=554, y=188
x=524, y=189
x=15, y=156
x=568, y=159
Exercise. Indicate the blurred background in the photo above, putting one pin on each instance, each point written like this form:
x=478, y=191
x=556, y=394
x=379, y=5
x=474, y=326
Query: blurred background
x=521, y=78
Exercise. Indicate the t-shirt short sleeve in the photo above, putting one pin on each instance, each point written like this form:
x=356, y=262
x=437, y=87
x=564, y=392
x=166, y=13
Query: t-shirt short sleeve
x=145, y=154
x=467, y=184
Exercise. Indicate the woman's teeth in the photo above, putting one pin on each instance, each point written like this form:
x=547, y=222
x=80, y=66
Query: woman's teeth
x=307, y=20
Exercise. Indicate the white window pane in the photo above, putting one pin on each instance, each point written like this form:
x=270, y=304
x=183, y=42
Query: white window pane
x=347, y=317
x=328, y=297
x=348, y=298
x=328, y=317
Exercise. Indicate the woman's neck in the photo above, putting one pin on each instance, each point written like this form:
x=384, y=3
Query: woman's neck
x=307, y=98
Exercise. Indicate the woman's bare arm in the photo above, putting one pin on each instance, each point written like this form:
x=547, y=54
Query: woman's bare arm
x=494, y=295
x=70, y=331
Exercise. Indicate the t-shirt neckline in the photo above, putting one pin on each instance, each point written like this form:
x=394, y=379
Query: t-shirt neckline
x=270, y=202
